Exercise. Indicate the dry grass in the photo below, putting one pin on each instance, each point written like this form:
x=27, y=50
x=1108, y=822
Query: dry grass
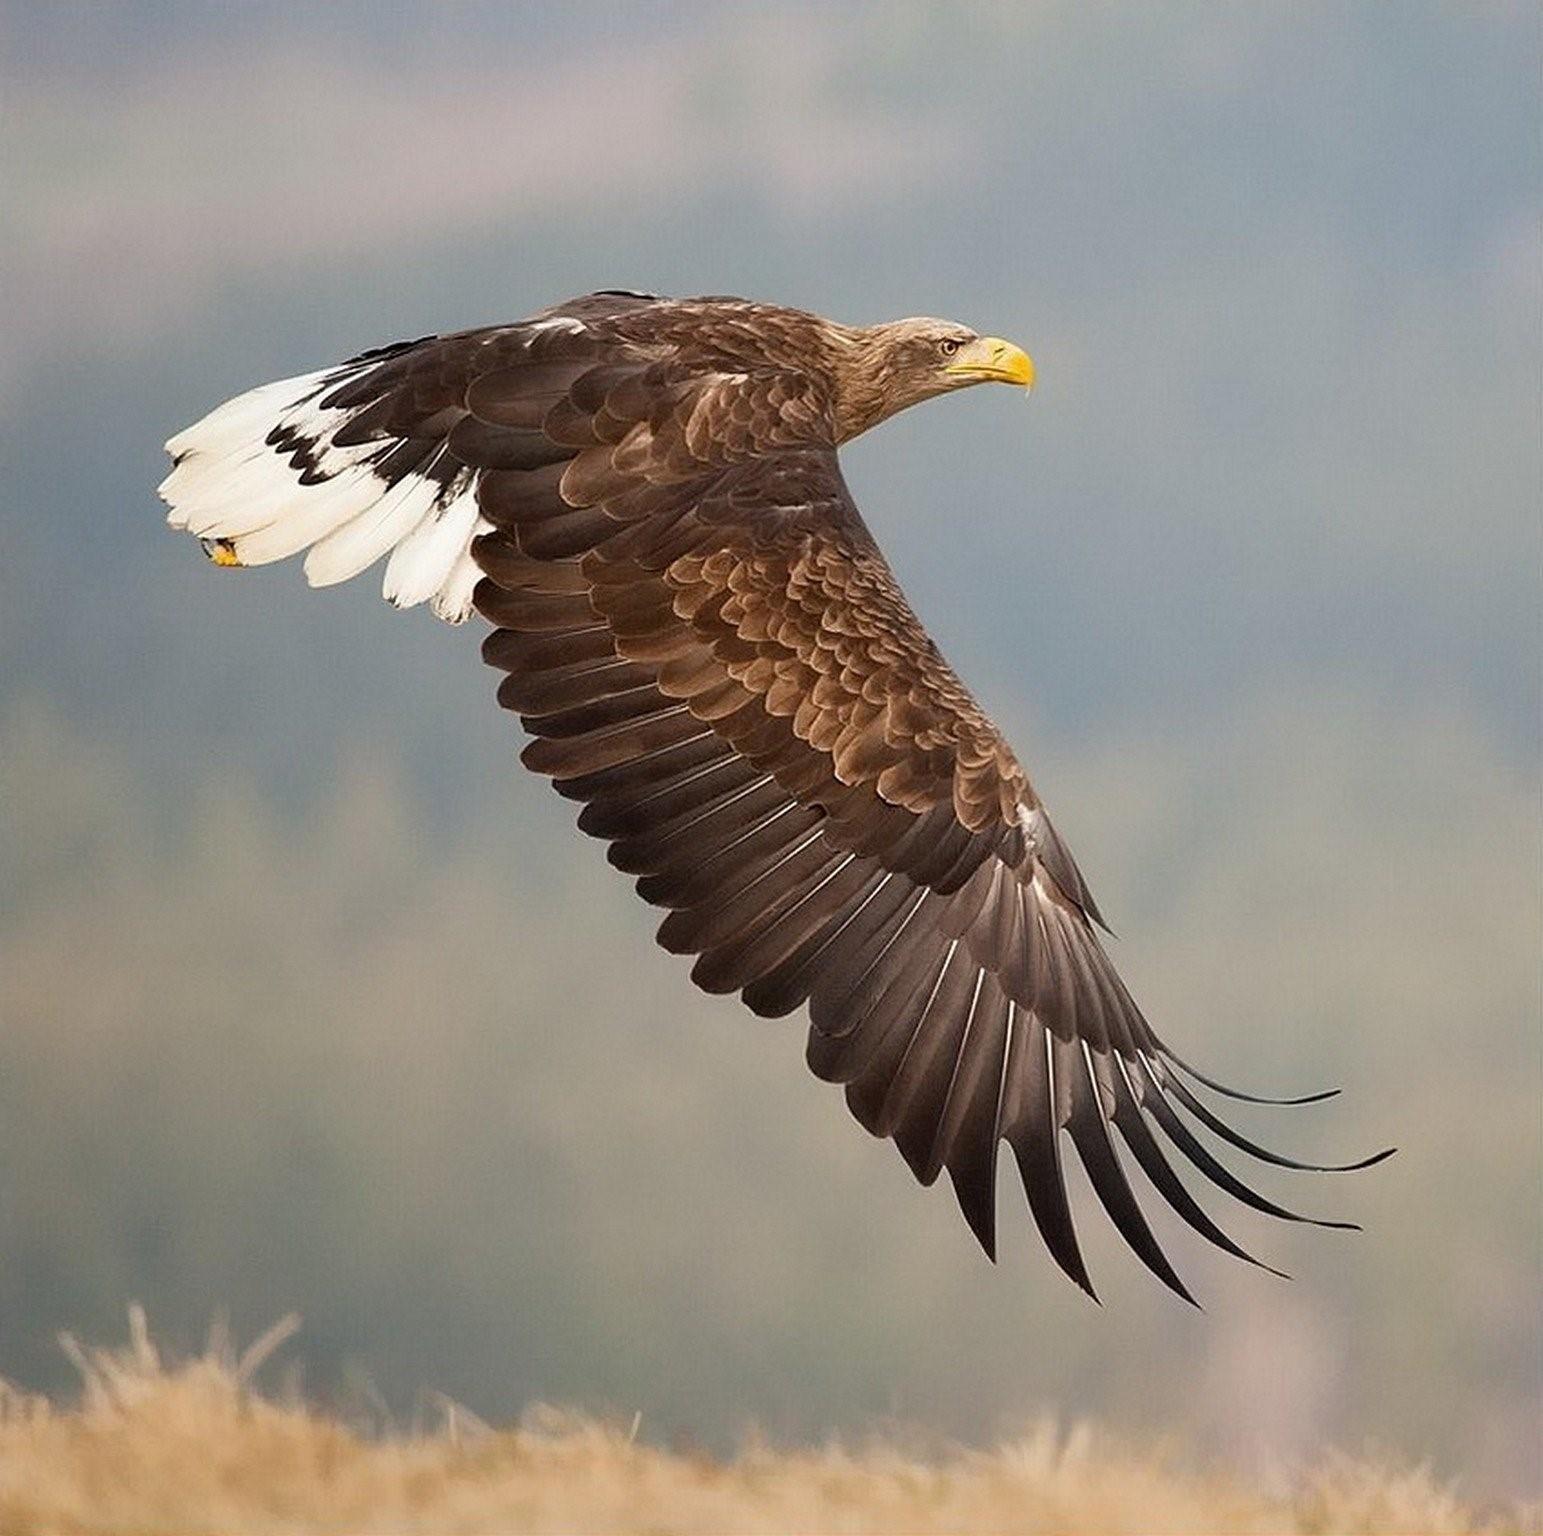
x=193, y=1447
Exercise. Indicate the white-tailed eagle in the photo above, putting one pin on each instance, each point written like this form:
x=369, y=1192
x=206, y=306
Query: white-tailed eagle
x=642, y=497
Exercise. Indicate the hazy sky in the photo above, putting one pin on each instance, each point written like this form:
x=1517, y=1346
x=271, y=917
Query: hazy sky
x=1253, y=580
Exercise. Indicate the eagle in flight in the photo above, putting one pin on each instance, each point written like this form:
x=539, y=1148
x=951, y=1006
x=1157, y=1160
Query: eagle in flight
x=642, y=497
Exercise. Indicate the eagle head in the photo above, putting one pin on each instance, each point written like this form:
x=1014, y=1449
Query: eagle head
x=902, y=362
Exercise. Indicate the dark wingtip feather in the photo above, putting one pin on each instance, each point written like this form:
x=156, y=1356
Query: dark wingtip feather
x=975, y=1190
x=1214, y=1123
x=1036, y=1143
x=1238, y=1093
x=1152, y=1099
x=1039, y=1168
x=1132, y=1125
x=1089, y=1133
x=987, y=1239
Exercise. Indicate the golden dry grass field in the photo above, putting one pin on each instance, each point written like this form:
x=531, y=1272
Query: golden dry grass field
x=195, y=1447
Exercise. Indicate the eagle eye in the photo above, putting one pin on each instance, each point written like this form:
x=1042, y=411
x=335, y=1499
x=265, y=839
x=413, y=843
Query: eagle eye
x=949, y=345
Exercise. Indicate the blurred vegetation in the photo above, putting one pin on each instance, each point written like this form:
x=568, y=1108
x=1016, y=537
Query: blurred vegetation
x=192, y=1447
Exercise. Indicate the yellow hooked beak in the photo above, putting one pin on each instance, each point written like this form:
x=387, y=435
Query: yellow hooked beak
x=991, y=359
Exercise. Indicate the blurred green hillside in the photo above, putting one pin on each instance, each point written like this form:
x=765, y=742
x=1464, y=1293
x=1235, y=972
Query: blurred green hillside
x=441, y=1096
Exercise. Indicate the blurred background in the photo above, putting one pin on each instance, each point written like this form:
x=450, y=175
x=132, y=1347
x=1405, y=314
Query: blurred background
x=310, y=998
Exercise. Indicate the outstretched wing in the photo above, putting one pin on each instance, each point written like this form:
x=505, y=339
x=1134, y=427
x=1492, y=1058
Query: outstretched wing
x=712, y=655
x=729, y=678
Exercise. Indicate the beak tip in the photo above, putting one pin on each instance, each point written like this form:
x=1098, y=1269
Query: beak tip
x=1018, y=365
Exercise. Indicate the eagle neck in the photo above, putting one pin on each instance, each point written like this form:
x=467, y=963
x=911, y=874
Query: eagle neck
x=863, y=379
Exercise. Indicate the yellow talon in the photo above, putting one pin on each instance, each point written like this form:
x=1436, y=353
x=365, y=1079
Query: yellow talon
x=220, y=551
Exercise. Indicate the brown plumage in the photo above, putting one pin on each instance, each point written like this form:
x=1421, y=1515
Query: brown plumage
x=643, y=499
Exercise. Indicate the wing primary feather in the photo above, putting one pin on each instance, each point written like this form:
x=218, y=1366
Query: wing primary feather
x=1093, y=1018
x=1213, y=1122
x=1056, y=1002
x=1154, y=1102
x=1024, y=959
x=1089, y=1132
x=973, y=1167
x=913, y=1101
x=956, y=1097
x=1132, y=1126
x=1237, y=1093
x=1035, y=1140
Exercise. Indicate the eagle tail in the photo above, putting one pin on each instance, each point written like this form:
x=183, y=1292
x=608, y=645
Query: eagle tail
x=275, y=471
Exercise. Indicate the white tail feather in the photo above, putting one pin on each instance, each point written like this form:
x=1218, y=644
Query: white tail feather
x=453, y=600
x=309, y=513
x=245, y=498
x=422, y=563
x=357, y=545
x=234, y=425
